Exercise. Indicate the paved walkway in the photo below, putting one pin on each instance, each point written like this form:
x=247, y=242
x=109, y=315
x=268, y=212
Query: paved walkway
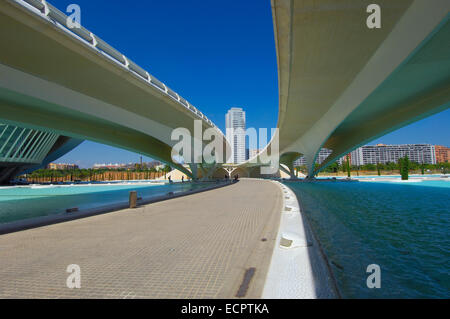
x=197, y=246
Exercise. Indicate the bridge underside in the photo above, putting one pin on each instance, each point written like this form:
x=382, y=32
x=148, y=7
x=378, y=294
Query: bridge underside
x=52, y=81
x=76, y=125
x=418, y=88
x=342, y=84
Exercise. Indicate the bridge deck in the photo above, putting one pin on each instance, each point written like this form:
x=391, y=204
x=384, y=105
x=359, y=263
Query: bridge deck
x=192, y=247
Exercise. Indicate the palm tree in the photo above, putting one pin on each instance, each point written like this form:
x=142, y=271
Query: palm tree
x=166, y=170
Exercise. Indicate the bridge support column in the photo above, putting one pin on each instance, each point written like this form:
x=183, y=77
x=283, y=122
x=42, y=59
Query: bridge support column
x=289, y=170
x=310, y=164
x=288, y=160
x=8, y=174
x=292, y=170
x=208, y=172
x=194, y=170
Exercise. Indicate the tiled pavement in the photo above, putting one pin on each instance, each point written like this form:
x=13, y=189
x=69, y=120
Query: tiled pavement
x=197, y=246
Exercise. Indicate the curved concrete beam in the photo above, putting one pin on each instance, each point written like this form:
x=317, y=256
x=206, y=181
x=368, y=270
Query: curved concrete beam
x=331, y=66
x=84, y=128
x=49, y=70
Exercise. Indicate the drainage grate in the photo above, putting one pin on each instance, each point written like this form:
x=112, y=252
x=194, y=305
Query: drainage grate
x=249, y=273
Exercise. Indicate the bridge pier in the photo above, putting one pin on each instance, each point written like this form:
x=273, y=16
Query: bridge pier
x=194, y=170
x=292, y=170
x=288, y=169
x=284, y=169
x=208, y=172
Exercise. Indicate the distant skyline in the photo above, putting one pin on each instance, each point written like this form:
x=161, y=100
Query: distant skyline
x=432, y=130
x=217, y=54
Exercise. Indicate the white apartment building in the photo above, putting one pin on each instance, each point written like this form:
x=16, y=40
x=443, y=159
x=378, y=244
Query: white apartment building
x=380, y=153
x=235, y=134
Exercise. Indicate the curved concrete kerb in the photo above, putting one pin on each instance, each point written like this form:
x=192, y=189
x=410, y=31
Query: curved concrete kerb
x=293, y=240
x=290, y=209
x=297, y=269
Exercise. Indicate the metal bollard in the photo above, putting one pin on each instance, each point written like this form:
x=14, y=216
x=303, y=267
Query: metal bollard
x=133, y=199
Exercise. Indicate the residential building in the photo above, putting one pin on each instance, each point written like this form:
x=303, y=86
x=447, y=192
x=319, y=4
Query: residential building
x=62, y=166
x=442, y=154
x=381, y=153
x=235, y=134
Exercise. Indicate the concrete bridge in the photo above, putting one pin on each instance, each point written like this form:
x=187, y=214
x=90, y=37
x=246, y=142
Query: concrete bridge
x=70, y=82
x=342, y=84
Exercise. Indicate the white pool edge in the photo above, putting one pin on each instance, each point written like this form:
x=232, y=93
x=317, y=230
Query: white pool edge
x=300, y=271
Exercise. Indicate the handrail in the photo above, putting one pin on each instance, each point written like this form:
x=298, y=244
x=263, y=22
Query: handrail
x=48, y=11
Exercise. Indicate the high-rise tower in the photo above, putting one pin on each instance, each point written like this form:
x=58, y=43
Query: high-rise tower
x=235, y=132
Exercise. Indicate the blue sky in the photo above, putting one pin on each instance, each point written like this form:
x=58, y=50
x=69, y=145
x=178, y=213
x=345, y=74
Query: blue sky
x=217, y=54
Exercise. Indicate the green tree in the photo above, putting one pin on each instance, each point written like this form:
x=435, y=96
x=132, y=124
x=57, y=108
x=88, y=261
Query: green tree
x=347, y=164
x=391, y=166
x=332, y=168
x=369, y=167
x=404, y=168
x=166, y=170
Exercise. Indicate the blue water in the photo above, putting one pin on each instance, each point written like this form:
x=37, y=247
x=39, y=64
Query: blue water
x=17, y=203
x=402, y=227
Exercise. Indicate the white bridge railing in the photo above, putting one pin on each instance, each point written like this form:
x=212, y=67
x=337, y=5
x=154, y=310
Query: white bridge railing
x=59, y=19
